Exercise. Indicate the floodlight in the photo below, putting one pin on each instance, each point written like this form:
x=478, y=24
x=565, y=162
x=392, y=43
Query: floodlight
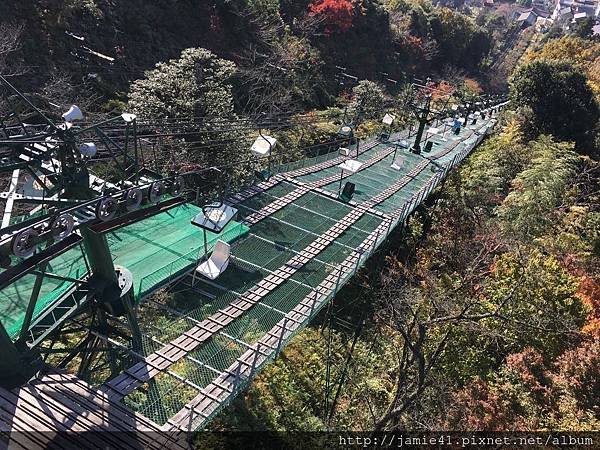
x=388, y=119
x=263, y=145
x=344, y=151
x=127, y=117
x=74, y=113
x=404, y=144
x=350, y=165
x=88, y=149
x=346, y=131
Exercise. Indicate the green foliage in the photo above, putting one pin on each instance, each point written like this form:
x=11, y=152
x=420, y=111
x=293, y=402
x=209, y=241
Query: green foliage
x=197, y=84
x=540, y=294
x=288, y=394
x=367, y=100
x=461, y=42
x=584, y=29
x=531, y=207
x=74, y=8
x=269, y=7
x=488, y=174
x=559, y=99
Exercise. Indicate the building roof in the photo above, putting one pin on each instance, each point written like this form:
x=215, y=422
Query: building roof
x=527, y=15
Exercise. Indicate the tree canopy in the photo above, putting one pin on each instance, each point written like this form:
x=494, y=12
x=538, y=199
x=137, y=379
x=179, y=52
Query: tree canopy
x=197, y=84
x=559, y=99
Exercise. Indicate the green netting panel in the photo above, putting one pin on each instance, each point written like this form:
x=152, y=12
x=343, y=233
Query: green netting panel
x=323, y=205
x=15, y=298
x=315, y=176
x=267, y=254
x=319, y=208
x=161, y=398
x=396, y=201
x=282, y=233
x=305, y=162
x=335, y=170
x=152, y=261
x=261, y=200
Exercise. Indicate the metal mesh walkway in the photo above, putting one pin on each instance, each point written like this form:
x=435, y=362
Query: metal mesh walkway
x=294, y=245
x=152, y=262
x=303, y=245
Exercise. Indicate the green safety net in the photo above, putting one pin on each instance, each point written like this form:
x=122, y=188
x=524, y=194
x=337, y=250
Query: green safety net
x=265, y=248
x=155, y=250
x=162, y=247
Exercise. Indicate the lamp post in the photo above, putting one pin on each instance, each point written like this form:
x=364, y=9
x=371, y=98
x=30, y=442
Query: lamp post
x=263, y=146
x=350, y=165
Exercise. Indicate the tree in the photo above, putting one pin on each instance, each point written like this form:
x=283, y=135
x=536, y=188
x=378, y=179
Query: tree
x=10, y=40
x=537, y=192
x=560, y=102
x=367, y=100
x=198, y=84
x=461, y=42
x=529, y=393
x=337, y=15
x=585, y=28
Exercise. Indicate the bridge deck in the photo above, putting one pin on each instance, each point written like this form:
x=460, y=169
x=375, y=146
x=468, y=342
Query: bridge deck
x=204, y=341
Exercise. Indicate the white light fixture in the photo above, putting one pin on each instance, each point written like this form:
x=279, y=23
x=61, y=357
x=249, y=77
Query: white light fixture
x=263, y=145
x=74, y=113
x=88, y=149
x=433, y=130
x=127, y=117
x=350, y=165
x=388, y=119
x=344, y=151
x=345, y=131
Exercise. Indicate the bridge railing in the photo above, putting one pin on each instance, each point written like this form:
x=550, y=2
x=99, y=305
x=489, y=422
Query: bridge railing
x=288, y=327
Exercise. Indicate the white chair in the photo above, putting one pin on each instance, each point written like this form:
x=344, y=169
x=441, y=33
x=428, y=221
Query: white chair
x=217, y=263
x=398, y=163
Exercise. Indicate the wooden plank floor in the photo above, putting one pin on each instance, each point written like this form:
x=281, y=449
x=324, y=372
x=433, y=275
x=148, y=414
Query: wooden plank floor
x=61, y=411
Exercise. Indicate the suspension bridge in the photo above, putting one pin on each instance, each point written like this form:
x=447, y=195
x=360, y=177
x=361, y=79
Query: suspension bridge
x=204, y=295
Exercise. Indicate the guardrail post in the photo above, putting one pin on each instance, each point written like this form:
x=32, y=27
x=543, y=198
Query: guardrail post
x=255, y=360
x=337, y=282
x=237, y=375
x=280, y=342
x=190, y=422
x=314, y=304
x=375, y=240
